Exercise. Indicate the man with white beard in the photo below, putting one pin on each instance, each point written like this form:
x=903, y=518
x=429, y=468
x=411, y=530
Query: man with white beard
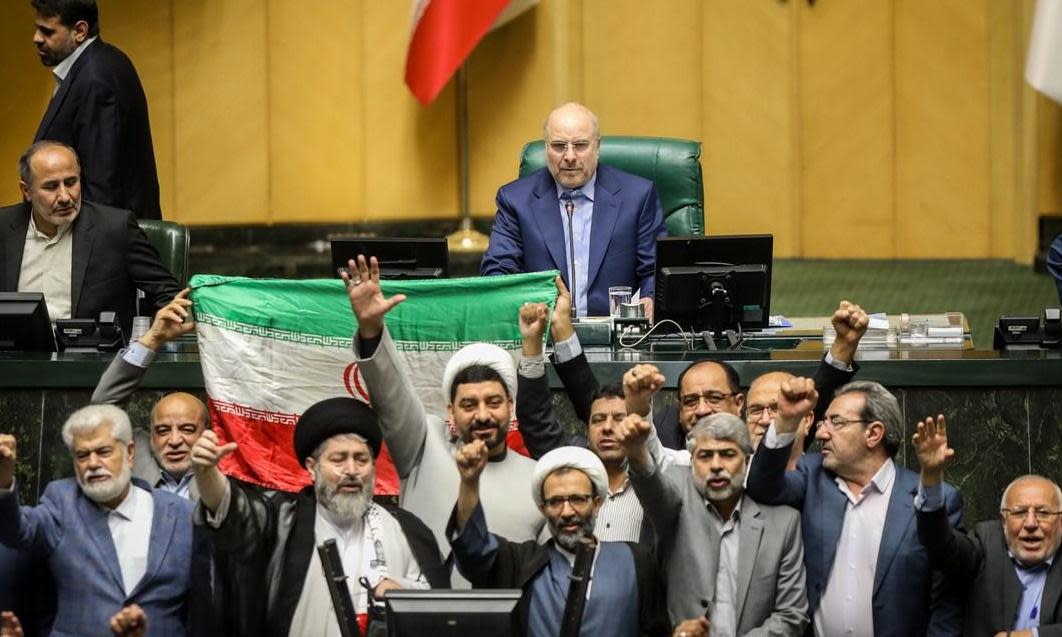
x=714, y=541
x=337, y=440
x=109, y=541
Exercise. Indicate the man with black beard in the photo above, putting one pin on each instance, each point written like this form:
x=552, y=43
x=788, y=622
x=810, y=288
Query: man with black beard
x=713, y=540
x=338, y=441
x=567, y=485
x=109, y=541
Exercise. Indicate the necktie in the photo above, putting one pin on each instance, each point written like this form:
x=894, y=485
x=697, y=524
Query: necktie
x=569, y=208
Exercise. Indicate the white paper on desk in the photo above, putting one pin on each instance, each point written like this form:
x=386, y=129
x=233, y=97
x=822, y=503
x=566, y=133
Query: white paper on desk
x=878, y=321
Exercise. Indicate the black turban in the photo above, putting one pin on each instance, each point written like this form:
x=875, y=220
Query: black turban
x=332, y=417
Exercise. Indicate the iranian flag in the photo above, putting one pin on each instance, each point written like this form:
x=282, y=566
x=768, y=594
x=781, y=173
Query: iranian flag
x=270, y=348
x=444, y=33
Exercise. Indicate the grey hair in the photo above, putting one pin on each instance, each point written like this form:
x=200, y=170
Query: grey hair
x=316, y=455
x=721, y=426
x=24, y=172
x=879, y=405
x=93, y=416
x=1030, y=476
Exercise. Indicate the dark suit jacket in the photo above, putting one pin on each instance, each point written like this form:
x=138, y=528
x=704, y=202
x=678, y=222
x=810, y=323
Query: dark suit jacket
x=910, y=598
x=111, y=259
x=992, y=590
x=71, y=532
x=100, y=110
x=528, y=235
x=491, y=561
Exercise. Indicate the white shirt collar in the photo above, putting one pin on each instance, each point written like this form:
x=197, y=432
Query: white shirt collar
x=128, y=507
x=62, y=69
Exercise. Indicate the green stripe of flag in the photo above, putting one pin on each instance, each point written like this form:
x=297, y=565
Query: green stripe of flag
x=437, y=313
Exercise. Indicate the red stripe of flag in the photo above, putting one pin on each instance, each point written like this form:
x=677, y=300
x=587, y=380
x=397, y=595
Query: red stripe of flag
x=443, y=37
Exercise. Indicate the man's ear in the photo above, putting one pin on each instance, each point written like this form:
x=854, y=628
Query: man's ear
x=131, y=452
x=311, y=468
x=875, y=434
x=80, y=31
x=24, y=189
x=739, y=400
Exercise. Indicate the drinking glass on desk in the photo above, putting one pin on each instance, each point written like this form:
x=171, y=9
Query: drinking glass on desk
x=617, y=296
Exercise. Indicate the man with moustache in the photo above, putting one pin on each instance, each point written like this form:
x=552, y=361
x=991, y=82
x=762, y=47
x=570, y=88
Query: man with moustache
x=861, y=548
x=1009, y=568
x=734, y=567
x=480, y=384
x=596, y=224
x=567, y=485
x=338, y=441
x=98, y=107
x=110, y=541
x=85, y=257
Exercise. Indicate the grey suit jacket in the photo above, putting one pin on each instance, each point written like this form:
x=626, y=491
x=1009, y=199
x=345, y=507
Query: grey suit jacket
x=116, y=385
x=770, y=591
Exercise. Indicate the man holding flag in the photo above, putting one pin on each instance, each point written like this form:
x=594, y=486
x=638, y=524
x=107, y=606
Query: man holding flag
x=479, y=383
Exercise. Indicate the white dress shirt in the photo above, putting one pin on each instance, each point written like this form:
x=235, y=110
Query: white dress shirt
x=61, y=70
x=846, y=608
x=46, y=265
x=724, y=610
x=130, y=526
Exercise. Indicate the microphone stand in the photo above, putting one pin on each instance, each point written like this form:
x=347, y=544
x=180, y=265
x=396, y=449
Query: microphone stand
x=337, y=588
x=580, y=582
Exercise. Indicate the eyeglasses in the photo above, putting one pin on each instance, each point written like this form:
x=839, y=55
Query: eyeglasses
x=755, y=412
x=579, y=146
x=1021, y=513
x=838, y=422
x=577, y=500
x=714, y=398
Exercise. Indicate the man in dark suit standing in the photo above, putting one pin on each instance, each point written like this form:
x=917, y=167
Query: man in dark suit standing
x=602, y=220
x=98, y=107
x=1010, y=572
x=85, y=257
x=861, y=548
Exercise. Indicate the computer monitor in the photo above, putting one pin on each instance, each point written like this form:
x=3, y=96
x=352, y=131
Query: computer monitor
x=714, y=283
x=400, y=258
x=24, y=323
x=452, y=613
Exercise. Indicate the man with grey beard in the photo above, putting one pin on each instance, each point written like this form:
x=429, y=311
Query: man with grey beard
x=567, y=485
x=337, y=440
x=109, y=541
x=713, y=540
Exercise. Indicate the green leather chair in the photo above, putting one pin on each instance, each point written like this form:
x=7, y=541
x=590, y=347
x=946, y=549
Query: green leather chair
x=674, y=165
x=171, y=240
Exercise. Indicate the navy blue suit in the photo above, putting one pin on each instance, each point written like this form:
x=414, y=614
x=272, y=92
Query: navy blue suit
x=71, y=532
x=528, y=235
x=910, y=598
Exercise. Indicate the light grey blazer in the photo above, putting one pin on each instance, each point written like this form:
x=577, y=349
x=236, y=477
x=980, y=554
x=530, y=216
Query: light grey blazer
x=770, y=589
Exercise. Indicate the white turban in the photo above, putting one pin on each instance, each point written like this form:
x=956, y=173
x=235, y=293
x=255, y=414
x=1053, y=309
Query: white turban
x=480, y=354
x=579, y=458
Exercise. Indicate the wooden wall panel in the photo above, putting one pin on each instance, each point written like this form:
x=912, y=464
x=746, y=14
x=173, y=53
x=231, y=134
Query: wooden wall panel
x=942, y=99
x=315, y=119
x=846, y=118
x=640, y=66
x=221, y=106
x=410, y=151
x=143, y=30
x=27, y=88
x=748, y=147
x=510, y=91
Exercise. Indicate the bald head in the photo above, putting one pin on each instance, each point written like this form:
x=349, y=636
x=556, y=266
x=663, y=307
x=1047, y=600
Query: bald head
x=177, y=421
x=762, y=403
x=1030, y=512
x=573, y=140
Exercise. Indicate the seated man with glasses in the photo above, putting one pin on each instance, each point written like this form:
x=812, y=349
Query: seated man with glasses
x=1009, y=568
x=861, y=549
x=596, y=224
x=567, y=485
